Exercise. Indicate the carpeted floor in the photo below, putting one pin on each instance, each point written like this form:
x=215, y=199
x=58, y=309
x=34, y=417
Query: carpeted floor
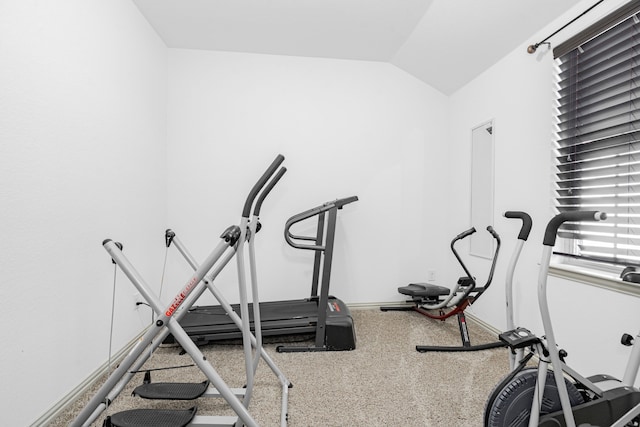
x=383, y=382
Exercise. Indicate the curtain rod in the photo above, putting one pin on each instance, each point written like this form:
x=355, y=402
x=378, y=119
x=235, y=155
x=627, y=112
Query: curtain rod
x=533, y=47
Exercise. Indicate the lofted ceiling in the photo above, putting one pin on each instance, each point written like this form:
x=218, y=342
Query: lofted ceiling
x=445, y=43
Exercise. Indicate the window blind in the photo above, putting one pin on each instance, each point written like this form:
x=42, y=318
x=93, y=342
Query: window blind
x=597, y=146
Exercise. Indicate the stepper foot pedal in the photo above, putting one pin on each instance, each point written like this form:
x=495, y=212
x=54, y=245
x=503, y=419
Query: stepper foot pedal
x=151, y=418
x=171, y=391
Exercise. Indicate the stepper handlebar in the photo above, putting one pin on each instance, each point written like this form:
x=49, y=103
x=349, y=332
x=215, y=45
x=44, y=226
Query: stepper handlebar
x=526, y=223
x=552, y=227
x=267, y=190
x=246, y=211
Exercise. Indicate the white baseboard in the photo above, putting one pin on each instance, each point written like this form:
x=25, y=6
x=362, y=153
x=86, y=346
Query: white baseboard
x=483, y=324
x=84, y=386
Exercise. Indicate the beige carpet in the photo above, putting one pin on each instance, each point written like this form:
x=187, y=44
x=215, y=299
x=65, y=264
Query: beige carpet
x=383, y=382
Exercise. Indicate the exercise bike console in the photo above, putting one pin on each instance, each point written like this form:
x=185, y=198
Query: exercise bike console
x=518, y=338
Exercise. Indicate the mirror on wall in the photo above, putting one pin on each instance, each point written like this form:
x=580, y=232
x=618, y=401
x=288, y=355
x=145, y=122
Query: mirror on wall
x=482, y=169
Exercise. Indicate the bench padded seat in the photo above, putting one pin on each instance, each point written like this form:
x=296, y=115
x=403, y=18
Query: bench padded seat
x=427, y=290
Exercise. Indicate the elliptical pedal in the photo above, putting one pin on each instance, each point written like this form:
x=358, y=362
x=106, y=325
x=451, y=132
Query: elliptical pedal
x=151, y=418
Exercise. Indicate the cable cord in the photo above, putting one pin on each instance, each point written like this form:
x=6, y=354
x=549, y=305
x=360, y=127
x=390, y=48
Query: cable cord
x=113, y=305
x=153, y=313
x=162, y=369
x=164, y=270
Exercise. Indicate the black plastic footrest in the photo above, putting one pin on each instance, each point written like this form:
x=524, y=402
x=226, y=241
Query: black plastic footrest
x=152, y=418
x=171, y=391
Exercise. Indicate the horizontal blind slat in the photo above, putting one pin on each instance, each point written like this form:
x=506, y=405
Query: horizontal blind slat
x=597, y=143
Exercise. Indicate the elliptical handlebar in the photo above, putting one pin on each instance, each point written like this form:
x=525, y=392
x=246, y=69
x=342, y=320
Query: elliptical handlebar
x=526, y=223
x=551, y=231
x=246, y=211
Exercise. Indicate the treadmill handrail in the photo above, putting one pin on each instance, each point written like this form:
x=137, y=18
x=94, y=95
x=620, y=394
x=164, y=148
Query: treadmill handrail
x=289, y=237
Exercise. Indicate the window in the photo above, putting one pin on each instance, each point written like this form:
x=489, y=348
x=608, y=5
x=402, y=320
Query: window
x=597, y=148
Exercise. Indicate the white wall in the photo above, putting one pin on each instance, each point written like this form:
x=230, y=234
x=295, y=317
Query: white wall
x=346, y=128
x=517, y=93
x=82, y=158
x=91, y=105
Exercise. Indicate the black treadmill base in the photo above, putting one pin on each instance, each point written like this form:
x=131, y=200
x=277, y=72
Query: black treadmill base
x=282, y=321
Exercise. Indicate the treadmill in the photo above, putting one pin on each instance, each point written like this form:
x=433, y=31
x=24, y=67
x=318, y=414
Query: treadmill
x=322, y=316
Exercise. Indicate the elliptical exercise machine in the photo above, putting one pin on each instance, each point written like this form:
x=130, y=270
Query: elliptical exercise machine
x=439, y=302
x=561, y=397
